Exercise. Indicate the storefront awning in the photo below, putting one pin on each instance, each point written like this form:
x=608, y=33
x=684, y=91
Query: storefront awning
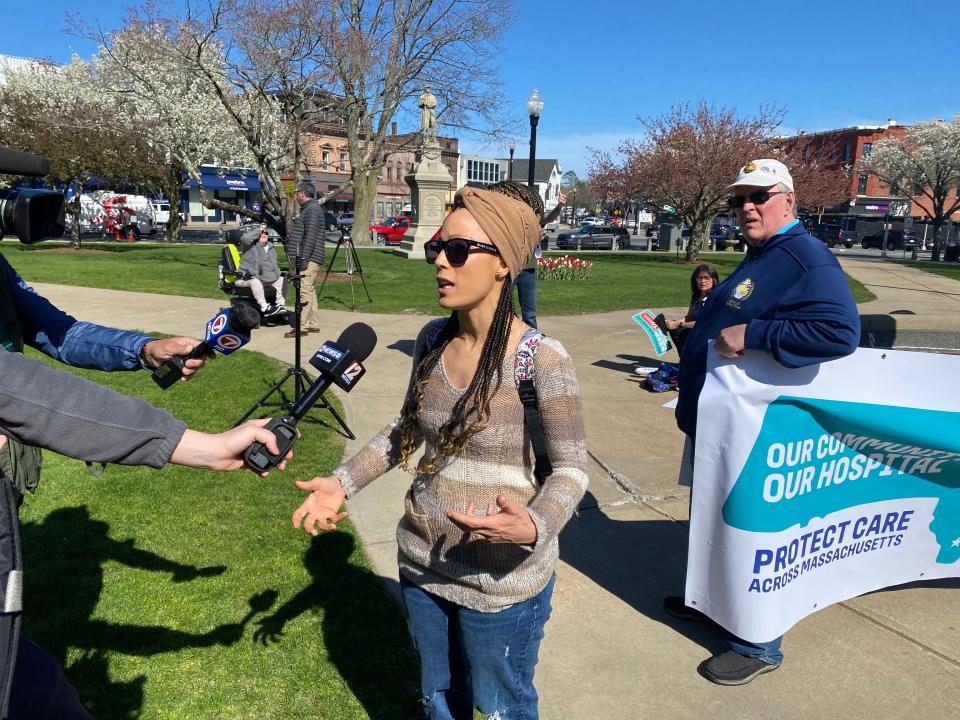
x=879, y=207
x=213, y=181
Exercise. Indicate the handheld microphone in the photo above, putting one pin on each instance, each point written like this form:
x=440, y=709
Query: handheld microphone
x=228, y=331
x=340, y=364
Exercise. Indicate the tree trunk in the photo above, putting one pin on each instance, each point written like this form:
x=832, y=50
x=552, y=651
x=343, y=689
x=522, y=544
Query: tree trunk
x=75, y=225
x=171, y=189
x=364, y=193
x=695, y=244
x=937, y=226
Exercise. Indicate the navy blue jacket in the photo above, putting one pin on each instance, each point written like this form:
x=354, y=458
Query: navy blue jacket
x=794, y=298
x=80, y=344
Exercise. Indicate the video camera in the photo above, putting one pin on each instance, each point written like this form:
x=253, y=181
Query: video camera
x=30, y=214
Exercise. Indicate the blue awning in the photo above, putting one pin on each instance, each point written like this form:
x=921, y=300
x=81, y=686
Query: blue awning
x=230, y=181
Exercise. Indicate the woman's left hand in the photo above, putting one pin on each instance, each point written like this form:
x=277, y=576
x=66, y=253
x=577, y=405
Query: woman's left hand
x=505, y=522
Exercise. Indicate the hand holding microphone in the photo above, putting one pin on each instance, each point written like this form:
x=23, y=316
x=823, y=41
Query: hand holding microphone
x=228, y=331
x=339, y=363
x=156, y=352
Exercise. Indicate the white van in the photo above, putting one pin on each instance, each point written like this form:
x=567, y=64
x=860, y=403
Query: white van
x=161, y=212
x=112, y=213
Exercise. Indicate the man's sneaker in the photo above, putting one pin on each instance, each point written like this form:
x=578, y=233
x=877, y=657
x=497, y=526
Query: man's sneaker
x=732, y=668
x=674, y=605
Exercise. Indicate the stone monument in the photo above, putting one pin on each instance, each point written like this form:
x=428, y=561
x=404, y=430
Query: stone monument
x=429, y=182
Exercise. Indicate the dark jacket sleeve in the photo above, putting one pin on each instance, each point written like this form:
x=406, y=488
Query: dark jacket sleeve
x=81, y=419
x=816, y=321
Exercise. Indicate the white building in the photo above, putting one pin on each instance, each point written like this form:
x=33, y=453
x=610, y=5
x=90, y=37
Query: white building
x=546, y=176
x=478, y=169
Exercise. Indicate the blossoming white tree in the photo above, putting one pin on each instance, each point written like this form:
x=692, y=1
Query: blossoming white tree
x=925, y=164
x=59, y=111
x=188, y=117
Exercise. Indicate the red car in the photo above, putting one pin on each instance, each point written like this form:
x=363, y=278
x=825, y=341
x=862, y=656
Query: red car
x=390, y=231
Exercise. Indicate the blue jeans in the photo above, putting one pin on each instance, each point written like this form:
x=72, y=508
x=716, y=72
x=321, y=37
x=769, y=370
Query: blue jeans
x=768, y=652
x=526, y=285
x=473, y=659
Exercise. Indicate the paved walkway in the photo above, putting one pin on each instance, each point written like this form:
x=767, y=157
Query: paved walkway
x=610, y=651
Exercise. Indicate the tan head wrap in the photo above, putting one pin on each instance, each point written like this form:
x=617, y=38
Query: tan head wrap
x=510, y=224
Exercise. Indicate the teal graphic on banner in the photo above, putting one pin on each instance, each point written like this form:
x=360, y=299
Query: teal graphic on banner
x=814, y=457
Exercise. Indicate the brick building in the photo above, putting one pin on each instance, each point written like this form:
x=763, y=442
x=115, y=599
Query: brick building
x=869, y=198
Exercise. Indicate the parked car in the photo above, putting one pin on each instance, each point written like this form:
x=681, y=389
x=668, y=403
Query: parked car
x=345, y=219
x=833, y=235
x=587, y=237
x=591, y=220
x=726, y=237
x=391, y=230
x=896, y=240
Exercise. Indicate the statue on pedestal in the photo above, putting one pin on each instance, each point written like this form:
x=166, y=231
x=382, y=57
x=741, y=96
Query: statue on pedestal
x=427, y=103
x=429, y=182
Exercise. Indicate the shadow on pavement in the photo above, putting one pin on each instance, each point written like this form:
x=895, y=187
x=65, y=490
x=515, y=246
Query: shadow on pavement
x=638, y=561
x=404, y=346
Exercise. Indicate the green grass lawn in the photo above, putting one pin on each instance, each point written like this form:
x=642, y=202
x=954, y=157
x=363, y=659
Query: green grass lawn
x=619, y=281
x=186, y=594
x=950, y=270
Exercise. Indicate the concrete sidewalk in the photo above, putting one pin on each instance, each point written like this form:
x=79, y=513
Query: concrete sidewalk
x=610, y=650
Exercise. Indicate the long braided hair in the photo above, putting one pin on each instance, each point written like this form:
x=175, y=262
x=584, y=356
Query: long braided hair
x=471, y=413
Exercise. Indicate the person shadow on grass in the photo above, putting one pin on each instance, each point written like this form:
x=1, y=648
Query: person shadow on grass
x=364, y=632
x=65, y=554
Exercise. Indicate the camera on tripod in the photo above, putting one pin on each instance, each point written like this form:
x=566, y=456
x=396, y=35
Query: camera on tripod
x=30, y=214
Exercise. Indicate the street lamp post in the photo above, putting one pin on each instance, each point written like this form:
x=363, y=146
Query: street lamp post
x=513, y=146
x=534, y=108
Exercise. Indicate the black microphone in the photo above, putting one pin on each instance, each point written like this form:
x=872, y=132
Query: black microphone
x=14, y=162
x=340, y=364
x=228, y=331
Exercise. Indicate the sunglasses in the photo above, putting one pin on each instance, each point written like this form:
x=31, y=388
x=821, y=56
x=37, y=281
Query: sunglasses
x=757, y=198
x=457, y=250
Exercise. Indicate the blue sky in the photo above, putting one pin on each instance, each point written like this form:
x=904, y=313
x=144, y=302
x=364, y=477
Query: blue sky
x=599, y=65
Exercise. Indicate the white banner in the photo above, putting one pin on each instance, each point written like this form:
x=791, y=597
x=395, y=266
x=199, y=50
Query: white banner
x=815, y=485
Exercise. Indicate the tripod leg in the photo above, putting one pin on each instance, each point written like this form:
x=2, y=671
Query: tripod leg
x=356, y=260
x=329, y=266
x=353, y=294
x=262, y=402
x=323, y=402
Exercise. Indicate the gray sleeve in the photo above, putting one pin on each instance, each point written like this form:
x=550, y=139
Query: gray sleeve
x=81, y=419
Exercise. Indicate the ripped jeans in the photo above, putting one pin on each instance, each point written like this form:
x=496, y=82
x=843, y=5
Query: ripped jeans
x=473, y=659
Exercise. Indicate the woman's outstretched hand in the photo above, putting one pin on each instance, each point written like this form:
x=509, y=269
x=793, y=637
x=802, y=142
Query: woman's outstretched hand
x=505, y=522
x=321, y=508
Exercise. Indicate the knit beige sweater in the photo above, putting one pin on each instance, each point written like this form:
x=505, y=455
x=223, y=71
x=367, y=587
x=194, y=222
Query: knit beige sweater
x=436, y=554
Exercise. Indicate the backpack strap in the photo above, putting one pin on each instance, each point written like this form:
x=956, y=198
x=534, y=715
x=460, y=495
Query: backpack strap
x=524, y=372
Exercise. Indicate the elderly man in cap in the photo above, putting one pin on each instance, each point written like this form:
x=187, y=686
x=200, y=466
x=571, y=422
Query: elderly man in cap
x=788, y=298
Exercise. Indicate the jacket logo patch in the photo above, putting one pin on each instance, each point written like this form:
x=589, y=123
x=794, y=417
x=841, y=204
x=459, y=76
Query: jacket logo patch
x=740, y=293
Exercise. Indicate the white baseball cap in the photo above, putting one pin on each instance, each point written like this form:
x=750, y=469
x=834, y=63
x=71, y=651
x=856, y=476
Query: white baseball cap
x=763, y=173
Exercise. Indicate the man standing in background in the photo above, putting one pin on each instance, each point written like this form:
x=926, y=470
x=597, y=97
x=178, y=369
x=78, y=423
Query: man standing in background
x=306, y=245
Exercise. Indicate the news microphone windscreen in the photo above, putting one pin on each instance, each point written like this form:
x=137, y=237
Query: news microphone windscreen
x=360, y=338
x=14, y=162
x=243, y=317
